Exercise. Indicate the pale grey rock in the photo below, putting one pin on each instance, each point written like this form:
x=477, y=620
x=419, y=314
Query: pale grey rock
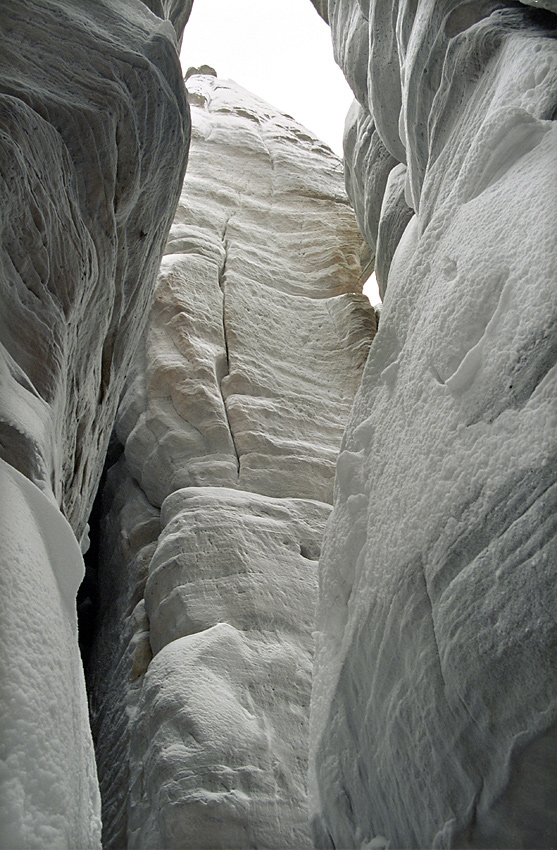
x=93, y=147
x=368, y=165
x=220, y=739
x=321, y=6
x=287, y=410
x=350, y=35
x=90, y=184
x=434, y=702
x=202, y=69
x=261, y=581
x=180, y=434
x=257, y=246
x=231, y=421
x=394, y=217
x=175, y=11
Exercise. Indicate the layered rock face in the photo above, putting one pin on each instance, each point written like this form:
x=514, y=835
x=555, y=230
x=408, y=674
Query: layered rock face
x=213, y=517
x=94, y=151
x=94, y=135
x=434, y=703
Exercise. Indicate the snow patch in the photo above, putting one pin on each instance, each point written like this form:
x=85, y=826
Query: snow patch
x=48, y=788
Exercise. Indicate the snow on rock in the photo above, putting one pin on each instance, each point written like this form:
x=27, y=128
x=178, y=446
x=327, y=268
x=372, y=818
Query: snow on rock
x=48, y=786
x=93, y=147
x=231, y=420
x=221, y=733
x=434, y=704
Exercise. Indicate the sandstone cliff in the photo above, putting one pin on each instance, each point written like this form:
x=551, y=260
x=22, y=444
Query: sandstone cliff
x=433, y=707
x=213, y=517
x=434, y=703
x=94, y=136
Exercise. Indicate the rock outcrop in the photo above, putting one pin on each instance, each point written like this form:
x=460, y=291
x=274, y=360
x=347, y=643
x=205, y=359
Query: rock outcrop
x=434, y=710
x=321, y=6
x=434, y=705
x=231, y=420
x=94, y=135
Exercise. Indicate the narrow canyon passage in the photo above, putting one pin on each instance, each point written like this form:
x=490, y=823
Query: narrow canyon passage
x=212, y=519
x=324, y=552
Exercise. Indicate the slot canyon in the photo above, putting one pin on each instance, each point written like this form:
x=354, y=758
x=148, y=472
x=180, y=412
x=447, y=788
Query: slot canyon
x=278, y=567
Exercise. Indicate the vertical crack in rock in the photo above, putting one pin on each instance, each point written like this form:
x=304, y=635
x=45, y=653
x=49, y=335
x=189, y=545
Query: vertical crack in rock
x=431, y=617
x=222, y=285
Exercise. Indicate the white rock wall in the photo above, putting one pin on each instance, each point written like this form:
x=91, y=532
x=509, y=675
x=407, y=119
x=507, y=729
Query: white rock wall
x=231, y=422
x=49, y=793
x=93, y=145
x=434, y=702
x=93, y=153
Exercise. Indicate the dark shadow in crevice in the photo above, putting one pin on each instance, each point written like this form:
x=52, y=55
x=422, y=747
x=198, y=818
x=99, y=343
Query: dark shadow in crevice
x=87, y=595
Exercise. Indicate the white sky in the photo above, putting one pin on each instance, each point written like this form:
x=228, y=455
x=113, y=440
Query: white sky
x=281, y=51
x=278, y=49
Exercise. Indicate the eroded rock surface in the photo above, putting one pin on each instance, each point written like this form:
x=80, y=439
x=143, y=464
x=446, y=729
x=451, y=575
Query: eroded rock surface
x=90, y=183
x=93, y=146
x=231, y=422
x=434, y=704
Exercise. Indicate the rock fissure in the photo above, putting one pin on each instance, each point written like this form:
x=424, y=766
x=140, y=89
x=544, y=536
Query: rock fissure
x=431, y=616
x=226, y=373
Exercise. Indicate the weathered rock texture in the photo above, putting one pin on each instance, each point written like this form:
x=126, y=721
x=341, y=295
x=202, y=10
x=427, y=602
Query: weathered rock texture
x=93, y=146
x=231, y=421
x=434, y=704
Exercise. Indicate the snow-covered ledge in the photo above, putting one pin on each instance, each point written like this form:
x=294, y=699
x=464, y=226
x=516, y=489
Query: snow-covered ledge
x=48, y=786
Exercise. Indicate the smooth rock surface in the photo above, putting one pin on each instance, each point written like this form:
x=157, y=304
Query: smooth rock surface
x=49, y=795
x=434, y=703
x=93, y=146
x=231, y=421
x=221, y=733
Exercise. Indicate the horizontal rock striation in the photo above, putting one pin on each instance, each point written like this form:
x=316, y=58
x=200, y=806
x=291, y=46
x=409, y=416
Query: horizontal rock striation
x=93, y=146
x=89, y=192
x=231, y=420
x=434, y=704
